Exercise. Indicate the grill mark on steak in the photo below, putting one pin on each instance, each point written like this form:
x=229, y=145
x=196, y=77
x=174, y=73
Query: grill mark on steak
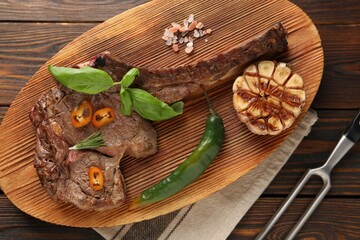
x=173, y=84
x=63, y=173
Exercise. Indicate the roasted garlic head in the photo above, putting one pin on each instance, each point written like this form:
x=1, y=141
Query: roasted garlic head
x=268, y=97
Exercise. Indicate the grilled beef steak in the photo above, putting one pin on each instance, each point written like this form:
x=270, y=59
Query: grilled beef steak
x=64, y=173
x=173, y=84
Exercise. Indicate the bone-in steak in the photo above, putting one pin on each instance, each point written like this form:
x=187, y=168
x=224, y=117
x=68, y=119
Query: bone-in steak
x=173, y=84
x=64, y=173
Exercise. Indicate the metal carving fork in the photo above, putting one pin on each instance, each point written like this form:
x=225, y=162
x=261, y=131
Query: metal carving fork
x=348, y=139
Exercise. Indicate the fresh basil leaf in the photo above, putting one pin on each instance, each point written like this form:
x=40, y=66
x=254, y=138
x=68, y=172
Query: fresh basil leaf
x=178, y=107
x=126, y=102
x=85, y=80
x=152, y=108
x=129, y=77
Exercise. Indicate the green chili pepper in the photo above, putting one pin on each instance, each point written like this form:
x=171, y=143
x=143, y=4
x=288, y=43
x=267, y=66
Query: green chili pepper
x=191, y=169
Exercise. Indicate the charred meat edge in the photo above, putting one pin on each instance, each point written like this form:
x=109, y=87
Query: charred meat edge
x=176, y=83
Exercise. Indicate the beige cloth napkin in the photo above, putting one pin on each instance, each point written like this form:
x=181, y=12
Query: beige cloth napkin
x=223, y=209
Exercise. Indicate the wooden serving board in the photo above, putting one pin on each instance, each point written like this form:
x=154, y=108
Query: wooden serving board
x=135, y=36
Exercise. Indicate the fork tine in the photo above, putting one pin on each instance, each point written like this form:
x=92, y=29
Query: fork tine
x=285, y=204
x=324, y=190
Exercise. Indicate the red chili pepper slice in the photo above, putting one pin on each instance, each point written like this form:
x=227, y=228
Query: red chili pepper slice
x=103, y=116
x=81, y=115
x=96, y=178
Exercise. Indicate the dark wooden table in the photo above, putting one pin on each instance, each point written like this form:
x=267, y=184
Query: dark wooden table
x=33, y=31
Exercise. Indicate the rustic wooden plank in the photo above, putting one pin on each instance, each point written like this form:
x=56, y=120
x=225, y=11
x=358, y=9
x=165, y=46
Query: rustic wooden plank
x=322, y=11
x=32, y=44
x=3, y=110
x=331, y=12
x=24, y=47
x=335, y=218
x=64, y=11
x=14, y=224
x=313, y=152
x=340, y=85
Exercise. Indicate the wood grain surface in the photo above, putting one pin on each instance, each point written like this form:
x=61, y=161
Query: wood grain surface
x=126, y=36
x=22, y=54
x=333, y=222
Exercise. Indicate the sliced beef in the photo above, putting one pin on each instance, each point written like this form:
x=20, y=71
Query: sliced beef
x=64, y=173
x=174, y=84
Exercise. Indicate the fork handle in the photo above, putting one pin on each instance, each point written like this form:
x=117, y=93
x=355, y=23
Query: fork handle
x=352, y=132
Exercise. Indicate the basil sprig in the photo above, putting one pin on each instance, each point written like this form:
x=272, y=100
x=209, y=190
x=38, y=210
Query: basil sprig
x=148, y=106
x=86, y=80
x=93, y=81
x=145, y=104
x=126, y=102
